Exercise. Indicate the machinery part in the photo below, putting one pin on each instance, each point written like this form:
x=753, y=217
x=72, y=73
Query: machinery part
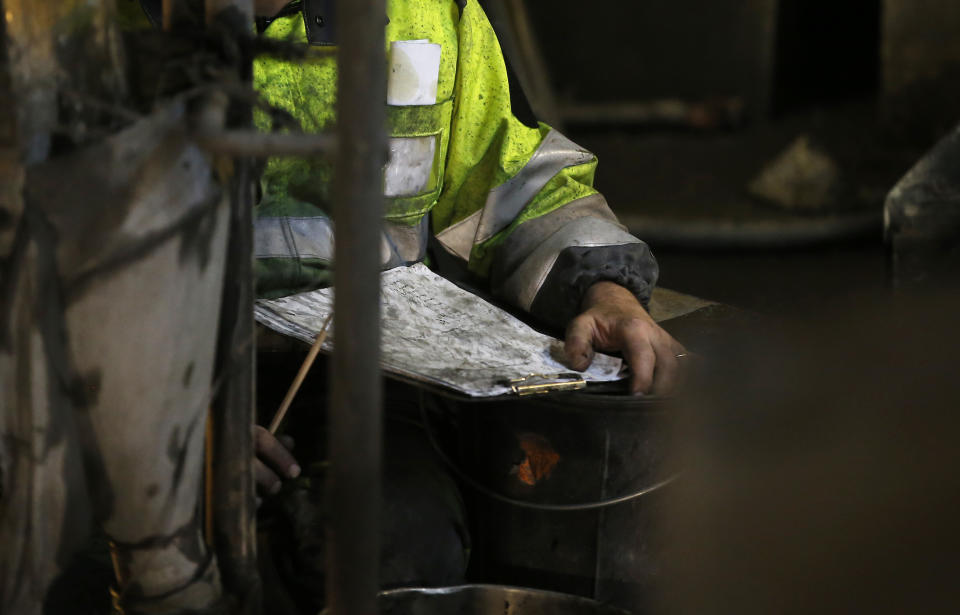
x=922, y=219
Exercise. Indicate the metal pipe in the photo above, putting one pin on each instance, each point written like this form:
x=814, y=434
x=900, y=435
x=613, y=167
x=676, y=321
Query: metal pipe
x=354, y=432
x=234, y=508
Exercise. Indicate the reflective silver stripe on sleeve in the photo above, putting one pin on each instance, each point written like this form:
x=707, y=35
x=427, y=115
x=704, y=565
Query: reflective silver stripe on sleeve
x=458, y=238
x=527, y=236
x=522, y=286
x=505, y=202
x=293, y=237
x=404, y=244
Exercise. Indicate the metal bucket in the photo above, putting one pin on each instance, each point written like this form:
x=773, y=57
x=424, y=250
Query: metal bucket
x=487, y=600
x=563, y=492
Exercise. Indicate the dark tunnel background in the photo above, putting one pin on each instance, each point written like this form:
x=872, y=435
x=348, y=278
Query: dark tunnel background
x=802, y=69
x=826, y=52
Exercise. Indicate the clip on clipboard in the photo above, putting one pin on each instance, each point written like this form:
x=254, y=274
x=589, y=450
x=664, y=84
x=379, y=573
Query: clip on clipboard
x=538, y=384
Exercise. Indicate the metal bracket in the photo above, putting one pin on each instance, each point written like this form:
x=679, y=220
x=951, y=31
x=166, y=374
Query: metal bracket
x=538, y=384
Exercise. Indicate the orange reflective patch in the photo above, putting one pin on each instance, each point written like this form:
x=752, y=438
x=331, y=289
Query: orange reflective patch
x=540, y=461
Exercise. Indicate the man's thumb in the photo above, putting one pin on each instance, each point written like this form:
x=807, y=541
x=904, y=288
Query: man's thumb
x=578, y=346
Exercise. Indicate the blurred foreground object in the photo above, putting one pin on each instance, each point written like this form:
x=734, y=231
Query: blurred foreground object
x=920, y=54
x=112, y=260
x=821, y=468
x=922, y=219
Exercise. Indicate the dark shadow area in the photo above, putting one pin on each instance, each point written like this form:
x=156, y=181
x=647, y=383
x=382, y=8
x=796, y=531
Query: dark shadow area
x=826, y=52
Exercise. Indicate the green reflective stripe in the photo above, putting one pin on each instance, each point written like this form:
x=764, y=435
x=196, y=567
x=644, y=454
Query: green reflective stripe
x=419, y=121
x=410, y=209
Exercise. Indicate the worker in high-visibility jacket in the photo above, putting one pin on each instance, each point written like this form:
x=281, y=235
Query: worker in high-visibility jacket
x=514, y=203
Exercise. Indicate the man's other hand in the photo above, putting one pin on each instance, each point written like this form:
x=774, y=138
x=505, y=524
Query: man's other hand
x=613, y=320
x=273, y=462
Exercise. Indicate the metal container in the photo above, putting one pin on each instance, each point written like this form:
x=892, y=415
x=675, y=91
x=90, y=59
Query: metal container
x=487, y=600
x=551, y=481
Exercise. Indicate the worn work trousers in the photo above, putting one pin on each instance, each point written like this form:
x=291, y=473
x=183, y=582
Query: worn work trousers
x=424, y=537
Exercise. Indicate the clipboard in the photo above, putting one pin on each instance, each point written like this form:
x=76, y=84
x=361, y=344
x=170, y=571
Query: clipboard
x=439, y=335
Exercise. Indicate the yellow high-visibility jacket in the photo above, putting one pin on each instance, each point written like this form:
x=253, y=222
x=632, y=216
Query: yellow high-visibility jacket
x=515, y=203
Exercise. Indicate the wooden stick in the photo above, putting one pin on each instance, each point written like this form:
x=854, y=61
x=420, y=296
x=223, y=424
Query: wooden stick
x=301, y=375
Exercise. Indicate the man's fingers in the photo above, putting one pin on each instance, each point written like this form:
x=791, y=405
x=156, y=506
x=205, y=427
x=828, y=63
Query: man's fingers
x=666, y=374
x=641, y=358
x=578, y=344
x=287, y=441
x=274, y=454
x=267, y=481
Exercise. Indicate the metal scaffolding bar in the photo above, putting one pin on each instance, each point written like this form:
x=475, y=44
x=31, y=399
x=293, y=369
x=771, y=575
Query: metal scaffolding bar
x=355, y=410
x=234, y=509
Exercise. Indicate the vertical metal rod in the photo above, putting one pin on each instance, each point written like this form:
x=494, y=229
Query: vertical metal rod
x=234, y=508
x=354, y=432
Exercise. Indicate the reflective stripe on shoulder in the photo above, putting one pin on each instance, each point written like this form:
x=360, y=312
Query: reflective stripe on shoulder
x=526, y=237
x=505, y=202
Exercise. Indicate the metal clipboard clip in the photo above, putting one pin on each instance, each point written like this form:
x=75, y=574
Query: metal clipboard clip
x=537, y=384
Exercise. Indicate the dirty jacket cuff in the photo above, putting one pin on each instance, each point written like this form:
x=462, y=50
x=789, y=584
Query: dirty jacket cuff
x=578, y=268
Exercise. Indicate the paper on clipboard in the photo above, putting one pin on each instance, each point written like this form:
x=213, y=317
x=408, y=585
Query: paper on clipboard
x=436, y=332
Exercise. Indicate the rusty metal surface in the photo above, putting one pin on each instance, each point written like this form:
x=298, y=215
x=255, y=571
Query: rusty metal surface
x=234, y=489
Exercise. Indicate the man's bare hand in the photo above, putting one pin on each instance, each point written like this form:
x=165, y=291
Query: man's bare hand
x=273, y=462
x=613, y=320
